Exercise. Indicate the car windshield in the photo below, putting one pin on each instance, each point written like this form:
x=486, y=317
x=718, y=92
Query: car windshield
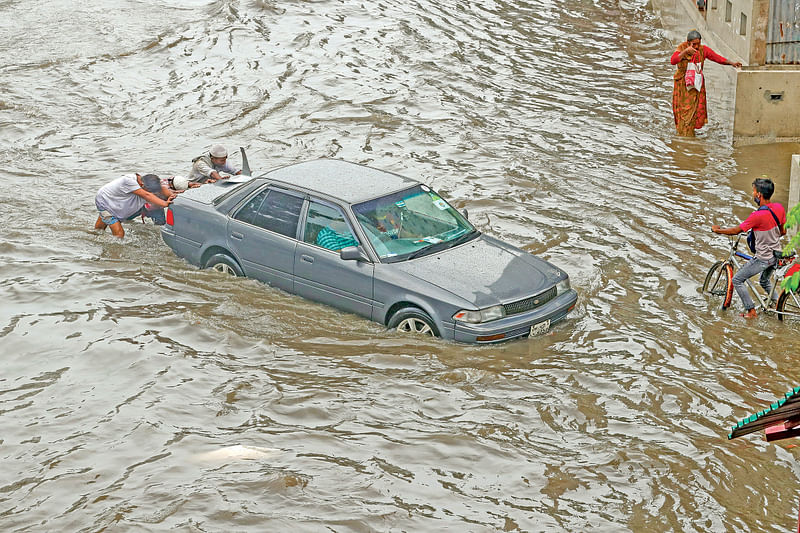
x=411, y=223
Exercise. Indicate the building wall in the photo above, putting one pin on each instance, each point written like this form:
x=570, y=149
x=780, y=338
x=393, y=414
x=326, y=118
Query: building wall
x=684, y=16
x=736, y=32
x=767, y=105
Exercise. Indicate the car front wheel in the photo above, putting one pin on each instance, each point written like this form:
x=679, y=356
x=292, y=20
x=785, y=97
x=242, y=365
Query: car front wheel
x=225, y=264
x=413, y=320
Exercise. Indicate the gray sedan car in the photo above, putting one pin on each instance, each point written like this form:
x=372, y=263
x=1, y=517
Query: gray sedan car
x=373, y=243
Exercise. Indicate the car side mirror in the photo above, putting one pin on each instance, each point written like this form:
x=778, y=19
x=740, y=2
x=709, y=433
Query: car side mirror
x=353, y=253
x=465, y=213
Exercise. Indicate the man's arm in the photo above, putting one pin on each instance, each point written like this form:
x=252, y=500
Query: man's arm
x=152, y=198
x=230, y=169
x=735, y=230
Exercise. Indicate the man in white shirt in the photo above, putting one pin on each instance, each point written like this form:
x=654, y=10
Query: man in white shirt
x=206, y=168
x=124, y=199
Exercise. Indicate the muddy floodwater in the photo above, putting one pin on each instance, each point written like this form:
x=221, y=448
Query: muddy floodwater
x=138, y=393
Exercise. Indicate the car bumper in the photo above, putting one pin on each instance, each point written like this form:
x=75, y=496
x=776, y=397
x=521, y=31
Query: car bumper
x=184, y=248
x=516, y=326
x=168, y=235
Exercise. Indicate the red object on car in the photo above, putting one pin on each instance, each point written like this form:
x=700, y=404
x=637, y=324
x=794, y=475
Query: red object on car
x=170, y=218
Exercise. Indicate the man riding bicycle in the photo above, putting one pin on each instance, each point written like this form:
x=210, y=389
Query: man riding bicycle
x=767, y=223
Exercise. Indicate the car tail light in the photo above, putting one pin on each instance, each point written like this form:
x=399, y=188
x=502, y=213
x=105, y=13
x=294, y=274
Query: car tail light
x=170, y=218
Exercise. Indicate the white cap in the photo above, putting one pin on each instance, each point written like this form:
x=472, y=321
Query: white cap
x=218, y=151
x=180, y=183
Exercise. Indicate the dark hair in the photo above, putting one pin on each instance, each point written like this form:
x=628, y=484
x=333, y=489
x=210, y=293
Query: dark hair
x=151, y=183
x=764, y=186
x=694, y=34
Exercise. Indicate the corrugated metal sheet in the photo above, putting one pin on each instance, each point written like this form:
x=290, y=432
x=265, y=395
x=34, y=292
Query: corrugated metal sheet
x=783, y=33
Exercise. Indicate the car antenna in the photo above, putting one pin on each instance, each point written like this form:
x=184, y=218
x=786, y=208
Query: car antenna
x=245, y=164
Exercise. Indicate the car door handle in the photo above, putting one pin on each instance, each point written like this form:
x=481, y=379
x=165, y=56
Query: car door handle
x=306, y=258
x=237, y=235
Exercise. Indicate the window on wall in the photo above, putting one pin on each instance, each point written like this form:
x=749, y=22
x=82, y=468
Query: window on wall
x=743, y=25
x=714, y=4
x=728, y=10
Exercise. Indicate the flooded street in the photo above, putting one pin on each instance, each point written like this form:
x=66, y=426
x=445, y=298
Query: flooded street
x=138, y=393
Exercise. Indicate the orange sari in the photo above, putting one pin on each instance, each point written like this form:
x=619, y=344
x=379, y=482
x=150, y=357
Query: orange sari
x=689, y=105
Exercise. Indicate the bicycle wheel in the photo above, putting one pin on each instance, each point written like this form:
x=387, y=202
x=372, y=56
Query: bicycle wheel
x=788, y=307
x=719, y=282
x=712, y=277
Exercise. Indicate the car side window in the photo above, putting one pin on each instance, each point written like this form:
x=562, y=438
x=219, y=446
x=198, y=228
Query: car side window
x=276, y=211
x=326, y=227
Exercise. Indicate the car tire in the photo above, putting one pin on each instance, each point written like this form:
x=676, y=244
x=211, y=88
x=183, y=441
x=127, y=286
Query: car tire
x=224, y=264
x=413, y=320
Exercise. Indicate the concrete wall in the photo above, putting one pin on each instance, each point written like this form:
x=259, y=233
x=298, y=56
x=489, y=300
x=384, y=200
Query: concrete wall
x=767, y=105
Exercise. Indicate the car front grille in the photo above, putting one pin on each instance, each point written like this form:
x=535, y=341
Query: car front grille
x=520, y=306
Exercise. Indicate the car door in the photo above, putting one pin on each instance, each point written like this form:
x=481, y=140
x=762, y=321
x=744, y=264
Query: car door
x=320, y=274
x=263, y=233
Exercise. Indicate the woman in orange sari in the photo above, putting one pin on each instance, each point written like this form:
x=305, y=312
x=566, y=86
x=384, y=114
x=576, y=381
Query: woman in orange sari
x=689, y=104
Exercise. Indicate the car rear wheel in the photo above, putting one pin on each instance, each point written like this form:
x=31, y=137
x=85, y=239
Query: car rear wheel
x=413, y=320
x=225, y=264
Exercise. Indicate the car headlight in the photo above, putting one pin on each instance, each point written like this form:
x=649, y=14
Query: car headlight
x=482, y=315
x=562, y=286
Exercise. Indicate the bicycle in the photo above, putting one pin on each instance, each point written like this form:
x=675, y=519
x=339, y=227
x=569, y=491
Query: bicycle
x=719, y=282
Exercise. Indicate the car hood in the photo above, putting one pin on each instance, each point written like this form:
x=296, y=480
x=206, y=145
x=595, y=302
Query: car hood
x=484, y=271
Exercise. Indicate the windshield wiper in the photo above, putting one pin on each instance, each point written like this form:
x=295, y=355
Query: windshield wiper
x=443, y=245
x=463, y=238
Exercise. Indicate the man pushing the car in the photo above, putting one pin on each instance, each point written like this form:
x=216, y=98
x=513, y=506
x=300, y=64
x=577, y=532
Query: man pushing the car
x=206, y=168
x=125, y=198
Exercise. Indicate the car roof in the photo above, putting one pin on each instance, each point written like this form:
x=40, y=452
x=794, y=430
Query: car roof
x=349, y=182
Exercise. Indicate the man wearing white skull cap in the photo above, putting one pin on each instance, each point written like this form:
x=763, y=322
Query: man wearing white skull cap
x=206, y=168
